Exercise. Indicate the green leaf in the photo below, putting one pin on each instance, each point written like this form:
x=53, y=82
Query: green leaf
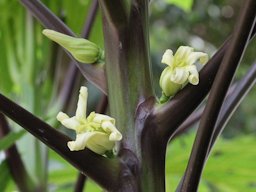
x=10, y=139
x=186, y=5
x=62, y=176
x=230, y=167
x=5, y=175
x=76, y=14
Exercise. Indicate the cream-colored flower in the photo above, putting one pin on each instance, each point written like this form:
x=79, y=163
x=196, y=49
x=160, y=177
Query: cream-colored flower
x=180, y=69
x=96, y=132
x=82, y=50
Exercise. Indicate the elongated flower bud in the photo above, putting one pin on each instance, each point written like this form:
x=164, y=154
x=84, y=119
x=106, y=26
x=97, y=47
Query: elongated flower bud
x=82, y=50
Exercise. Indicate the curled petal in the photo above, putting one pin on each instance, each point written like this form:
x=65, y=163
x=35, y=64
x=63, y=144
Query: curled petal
x=99, y=118
x=62, y=116
x=115, y=135
x=194, y=76
x=182, y=53
x=168, y=57
x=195, y=56
x=82, y=103
x=193, y=79
x=96, y=141
x=71, y=123
x=169, y=87
x=79, y=143
x=179, y=76
x=91, y=116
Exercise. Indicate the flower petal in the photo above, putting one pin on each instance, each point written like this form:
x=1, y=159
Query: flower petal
x=91, y=116
x=62, y=116
x=194, y=80
x=71, y=123
x=115, y=135
x=195, y=56
x=100, y=143
x=82, y=103
x=168, y=57
x=96, y=141
x=80, y=142
x=169, y=88
x=182, y=53
x=99, y=118
x=180, y=75
x=194, y=75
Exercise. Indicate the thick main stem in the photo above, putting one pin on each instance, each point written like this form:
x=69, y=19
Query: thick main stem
x=128, y=69
x=129, y=87
x=153, y=158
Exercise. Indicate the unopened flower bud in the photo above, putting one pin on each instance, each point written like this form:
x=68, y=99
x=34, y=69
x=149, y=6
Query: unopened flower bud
x=82, y=50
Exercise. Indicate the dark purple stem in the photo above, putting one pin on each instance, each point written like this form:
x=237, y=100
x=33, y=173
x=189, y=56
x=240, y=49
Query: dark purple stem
x=72, y=73
x=116, y=11
x=196, y=115
x=241, y=90
x=46, y=17
x=86, y=161
x=17, y=168
x=238, y=92
x=222, y=81
x=80, y=182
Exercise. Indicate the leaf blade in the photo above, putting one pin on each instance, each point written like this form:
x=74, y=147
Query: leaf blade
x=10, y=139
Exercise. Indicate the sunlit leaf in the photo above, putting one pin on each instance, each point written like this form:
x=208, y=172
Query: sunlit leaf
x=5, y=175
x=62, y=176
x=186, y=5
x=225, y=171
x=10, y=139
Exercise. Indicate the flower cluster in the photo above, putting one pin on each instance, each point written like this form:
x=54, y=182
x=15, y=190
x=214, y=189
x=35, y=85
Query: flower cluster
x=180, y=69
x=96, y=132
x=82, y=50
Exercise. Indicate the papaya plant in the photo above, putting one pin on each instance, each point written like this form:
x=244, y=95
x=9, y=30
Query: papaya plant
x=125, y=150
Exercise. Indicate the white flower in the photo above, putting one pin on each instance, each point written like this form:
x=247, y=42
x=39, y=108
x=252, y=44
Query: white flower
x=181, y=69
x=97, y=132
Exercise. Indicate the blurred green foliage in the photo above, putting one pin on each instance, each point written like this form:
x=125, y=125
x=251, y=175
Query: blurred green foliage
x=185, y=5
x=230, y=167
x=5, y=175
x=32, y=71
x=10, y=139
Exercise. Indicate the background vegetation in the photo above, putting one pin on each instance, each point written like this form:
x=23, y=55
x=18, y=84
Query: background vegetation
x=33, y=71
